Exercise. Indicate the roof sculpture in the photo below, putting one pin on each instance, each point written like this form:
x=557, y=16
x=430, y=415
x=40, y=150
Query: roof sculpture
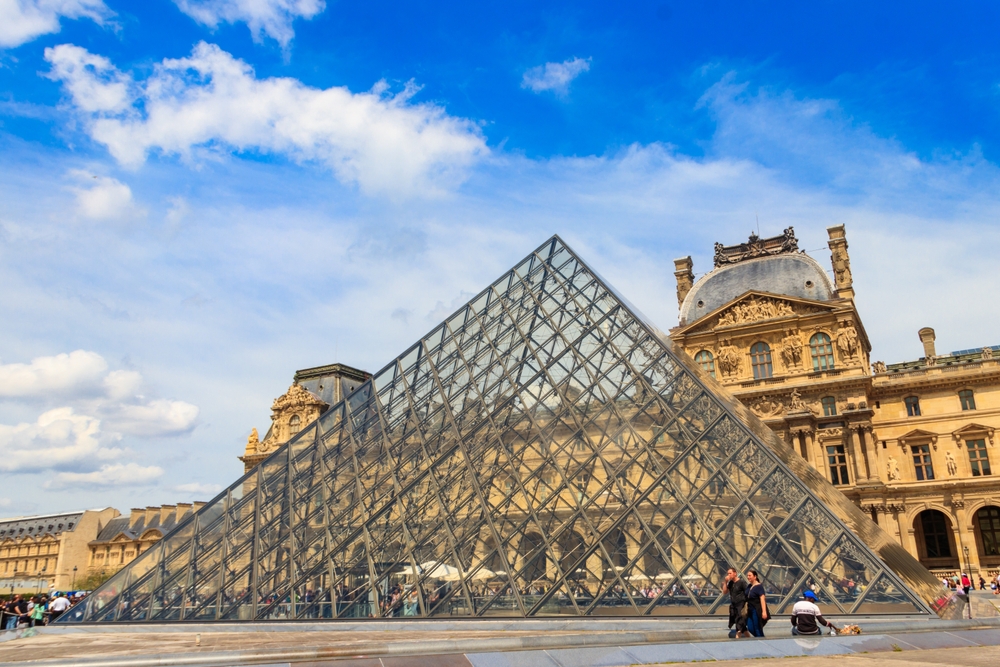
x=542, y=451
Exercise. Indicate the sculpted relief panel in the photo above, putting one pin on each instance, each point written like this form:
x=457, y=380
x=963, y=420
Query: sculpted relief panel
x=753, y=310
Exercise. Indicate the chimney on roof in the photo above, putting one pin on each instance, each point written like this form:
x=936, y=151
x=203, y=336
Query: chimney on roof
x=841, y=262
x=152, y=513
x=685, y=277
x=134, y=515
x=927, y=338
x=198, y=504
x=183, y=509
x=165, y=513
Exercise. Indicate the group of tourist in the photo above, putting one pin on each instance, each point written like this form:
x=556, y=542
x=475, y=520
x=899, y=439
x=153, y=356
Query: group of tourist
x=964, y=583
x=748, y=613
x=21, y=612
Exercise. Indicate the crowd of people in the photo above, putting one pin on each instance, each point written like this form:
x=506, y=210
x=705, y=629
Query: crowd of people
x=964, y=583
x=27, y=612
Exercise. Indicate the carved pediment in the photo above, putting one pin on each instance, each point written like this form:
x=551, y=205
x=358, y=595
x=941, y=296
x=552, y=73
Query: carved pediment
x=918, y=436
x=971, y=432
x=755, y=306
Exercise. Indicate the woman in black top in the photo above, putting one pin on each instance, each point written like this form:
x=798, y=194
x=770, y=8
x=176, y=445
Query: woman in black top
x=756, y=605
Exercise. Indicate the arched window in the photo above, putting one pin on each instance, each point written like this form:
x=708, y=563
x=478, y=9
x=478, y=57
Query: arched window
x=935, y=528
x=988, y=522
x=706, y=361
x=294, y=424
x=822, y=352
x=829, y=404
x=760, y=360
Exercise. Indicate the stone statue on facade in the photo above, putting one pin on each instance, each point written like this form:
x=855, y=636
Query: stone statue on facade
x=253, y=442
x=879, y=367
x=987, y=353
x=791, y=350
x=951, y=464
x=893, y=469
x=729, y=359
x=796, y=404
x=847, y=341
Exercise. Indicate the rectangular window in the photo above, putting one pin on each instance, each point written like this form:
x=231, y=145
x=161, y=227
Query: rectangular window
x=922, y=462
x=968, y=399
x=829, y=406
x=912, y=406
x=837, y=458
x=978, y=460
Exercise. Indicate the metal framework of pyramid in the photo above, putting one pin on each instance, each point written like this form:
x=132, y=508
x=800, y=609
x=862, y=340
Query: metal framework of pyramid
x=542, y=452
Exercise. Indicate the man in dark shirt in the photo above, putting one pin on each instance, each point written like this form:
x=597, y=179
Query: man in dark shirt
x=737, y=590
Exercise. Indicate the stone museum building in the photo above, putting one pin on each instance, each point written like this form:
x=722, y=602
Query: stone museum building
x=910, y=442
x=547, y=451
x=50, y=551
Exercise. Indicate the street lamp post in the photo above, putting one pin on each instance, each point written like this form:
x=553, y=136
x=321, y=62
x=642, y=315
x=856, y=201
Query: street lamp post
x=13, y=579
x=74, y=578
x=968, y=571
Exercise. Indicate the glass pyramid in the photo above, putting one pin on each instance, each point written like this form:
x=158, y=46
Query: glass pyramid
x=541, y=452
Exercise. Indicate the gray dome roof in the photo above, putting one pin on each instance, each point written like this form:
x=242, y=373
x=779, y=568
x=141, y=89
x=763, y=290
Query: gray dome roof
x=797, y=275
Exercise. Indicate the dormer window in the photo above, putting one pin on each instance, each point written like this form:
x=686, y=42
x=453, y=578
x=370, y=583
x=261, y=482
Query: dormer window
x=821, y=350
x=760, y=360
x=294, y=424
x=706, y=361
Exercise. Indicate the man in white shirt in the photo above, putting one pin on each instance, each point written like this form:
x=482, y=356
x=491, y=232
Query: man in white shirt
x=806, y=616
x=58, y=606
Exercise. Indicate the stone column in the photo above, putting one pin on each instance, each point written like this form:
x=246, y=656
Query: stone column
x=899, y=513
x=965, y=538
x=857, y=458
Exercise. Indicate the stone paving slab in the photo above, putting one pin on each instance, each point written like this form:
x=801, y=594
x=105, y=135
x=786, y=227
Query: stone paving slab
x=406, y=647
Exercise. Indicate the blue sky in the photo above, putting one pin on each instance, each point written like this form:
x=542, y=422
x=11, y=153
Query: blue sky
x=198, y=197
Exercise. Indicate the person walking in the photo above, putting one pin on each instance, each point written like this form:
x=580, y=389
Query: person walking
x=982, y=583
x=737, y=590
x=807, y=618
x=966, y=583
x=757, y=615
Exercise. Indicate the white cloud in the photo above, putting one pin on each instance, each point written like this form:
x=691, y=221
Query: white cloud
x=109, y=475
x=155, y=418
x=59, y=438
x=105, y=407
x=105, y=198
x=555, y=76
x=213, y=101
x=76, y=373
x=264, y=17
x=23, y=20
x=198, y=489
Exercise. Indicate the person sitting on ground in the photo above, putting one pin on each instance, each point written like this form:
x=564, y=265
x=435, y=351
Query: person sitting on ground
x=806, y=616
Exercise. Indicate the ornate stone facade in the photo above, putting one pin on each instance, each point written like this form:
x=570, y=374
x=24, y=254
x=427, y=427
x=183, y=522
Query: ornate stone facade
x=912, y=443
x=313, y=390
